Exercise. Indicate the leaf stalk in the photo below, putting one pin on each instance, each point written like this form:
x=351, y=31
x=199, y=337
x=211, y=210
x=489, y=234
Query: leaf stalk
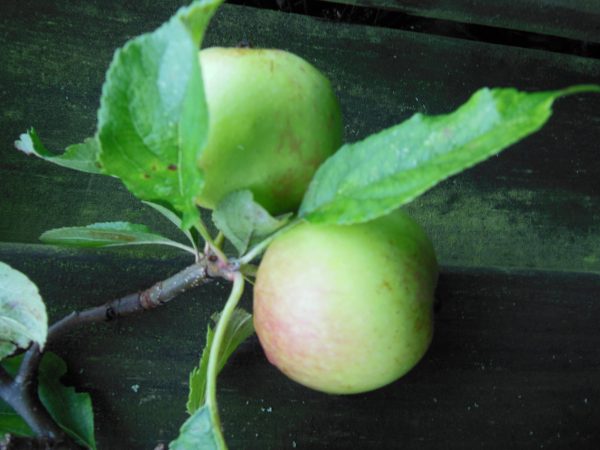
x=213, y=359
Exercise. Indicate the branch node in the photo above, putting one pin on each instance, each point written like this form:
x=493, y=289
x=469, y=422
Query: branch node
x=110, y=314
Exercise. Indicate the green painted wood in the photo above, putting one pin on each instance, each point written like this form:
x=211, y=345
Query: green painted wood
x=514, y=364
x=578, y=20
x=536, y=205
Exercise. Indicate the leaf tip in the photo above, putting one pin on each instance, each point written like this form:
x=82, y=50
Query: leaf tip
x=25, y=143
x=579, y=89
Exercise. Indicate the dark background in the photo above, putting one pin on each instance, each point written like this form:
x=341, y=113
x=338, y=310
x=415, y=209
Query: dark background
x=515, y=358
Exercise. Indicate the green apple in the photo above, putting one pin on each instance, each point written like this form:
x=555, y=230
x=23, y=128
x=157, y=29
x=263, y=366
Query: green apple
x=273, y=120
x=347, y=309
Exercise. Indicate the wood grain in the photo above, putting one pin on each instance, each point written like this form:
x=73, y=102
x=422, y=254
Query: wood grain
x=577, y=20
x=536, y=205
x=514, y=362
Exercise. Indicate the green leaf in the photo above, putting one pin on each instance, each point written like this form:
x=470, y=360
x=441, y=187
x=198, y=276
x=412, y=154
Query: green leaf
x=167, y=213
x=197, y=379
x=238, y=330
x=108, y=234
x=198, y=432
x=370, y=178
x=243, y=221
x=232, y=327
x=10, y=421
x=23, y=316
x=82, y=157
x=72, y=411
x=174, y=219
x=153, y=119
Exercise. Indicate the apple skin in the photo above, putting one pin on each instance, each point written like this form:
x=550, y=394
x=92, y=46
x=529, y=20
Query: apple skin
x=274, y=119
x=347, y=309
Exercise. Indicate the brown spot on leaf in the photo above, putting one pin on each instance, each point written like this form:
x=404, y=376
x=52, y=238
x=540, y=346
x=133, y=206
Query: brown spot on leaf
x=172, y=167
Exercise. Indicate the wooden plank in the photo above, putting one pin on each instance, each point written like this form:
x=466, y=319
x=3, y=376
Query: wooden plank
x=515, y=357
x=514, y=364
x=536, y=205
x=578, y=20
x=52, y=68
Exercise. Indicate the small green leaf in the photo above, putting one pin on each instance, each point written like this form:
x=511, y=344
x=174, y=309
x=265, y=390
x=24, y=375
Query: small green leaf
x=108, y=234
x=82, y=157
x=70, y=409
x=232, y=327
x=153, y=119
x=198, y=432
x=173, y=218
x=23, y=316
x=243, y=221
x=10, y=421
x=238, y=330
x=197, y=394
x=370, y=178
x=166, y=212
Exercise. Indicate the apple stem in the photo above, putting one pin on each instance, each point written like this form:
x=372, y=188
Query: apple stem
x=212, y=246
x=259, y=248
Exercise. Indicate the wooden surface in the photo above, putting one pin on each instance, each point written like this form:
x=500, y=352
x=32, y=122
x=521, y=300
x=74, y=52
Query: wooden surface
x=515, y=359
x=579, y=20
x=514, y=364
x=508, y=212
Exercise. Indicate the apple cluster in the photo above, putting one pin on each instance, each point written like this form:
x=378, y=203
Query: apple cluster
x=340, y=309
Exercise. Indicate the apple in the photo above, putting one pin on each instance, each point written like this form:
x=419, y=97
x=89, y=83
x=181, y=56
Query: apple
x=347, y=309
x=273, y=119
